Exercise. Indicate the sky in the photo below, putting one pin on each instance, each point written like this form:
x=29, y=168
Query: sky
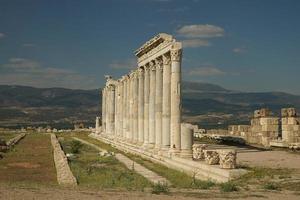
x=245, y=45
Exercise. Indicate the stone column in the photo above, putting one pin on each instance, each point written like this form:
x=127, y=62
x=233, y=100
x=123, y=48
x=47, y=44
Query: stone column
x=175, y=100
x=131, y=108
x=141, y=106
x=128, y=108
x=121, y=107
x=158, y=102
x=103, y=110
x=107, y=110
x=146, y=104
x=124, y=114
x=116, y=111
x=112, y=111
x=152, y=105
x=135, y=107
x=166, y=109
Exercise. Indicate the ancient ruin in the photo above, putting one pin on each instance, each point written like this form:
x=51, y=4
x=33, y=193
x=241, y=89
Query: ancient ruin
x=141, y=112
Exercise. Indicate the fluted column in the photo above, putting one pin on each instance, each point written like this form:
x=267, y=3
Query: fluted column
x=121, y=108
x=175, y=100
x=112, y=111
x=128, y=108
x=131, y=108
x=141, y=106
x=107, y=110
x=158, y=102
x=146, y=104
x=124, y=114
x=103, y=111
x=135, y=107
x=166, y=109
x=152, y=105
x=116, y=111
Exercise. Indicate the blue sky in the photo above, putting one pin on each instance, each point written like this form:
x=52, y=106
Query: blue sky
x=247, y=45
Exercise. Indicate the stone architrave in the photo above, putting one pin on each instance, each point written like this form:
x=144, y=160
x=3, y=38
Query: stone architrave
x=158, y=102
x=141, y=106
x=152, y=105
x=227, y=158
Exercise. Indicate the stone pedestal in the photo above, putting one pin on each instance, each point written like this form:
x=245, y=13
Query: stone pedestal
x=186, y=141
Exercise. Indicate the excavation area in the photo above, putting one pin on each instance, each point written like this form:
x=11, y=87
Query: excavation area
x=27, y=171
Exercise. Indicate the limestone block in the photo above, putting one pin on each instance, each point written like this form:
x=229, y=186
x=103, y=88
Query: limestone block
x=211, y=157
x=198, y=151
x=284, y=112
x=293, y=121
x=227, y=158
x=284, y=120
x=296, y=128
x=269, y=127
x=269, y=120
x=291, y=112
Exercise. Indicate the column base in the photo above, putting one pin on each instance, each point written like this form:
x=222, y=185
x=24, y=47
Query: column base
x=187, y=154
x=174, y=152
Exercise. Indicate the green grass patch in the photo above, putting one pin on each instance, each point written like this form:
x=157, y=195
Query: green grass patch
x=228, y=187
x=160, y=188
x=93, y=170
x=8, y=135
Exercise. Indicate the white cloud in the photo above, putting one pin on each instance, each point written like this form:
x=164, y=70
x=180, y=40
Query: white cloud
x=2, y=35
x=193, y=43
x=206, y=71
x=21, y=71
x=239, y=50
x=200, y=31
x=127, y=64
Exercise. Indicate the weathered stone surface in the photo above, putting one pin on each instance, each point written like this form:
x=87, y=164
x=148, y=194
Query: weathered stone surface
x=198, y=151
x=63, y=171
x=211, y=157
x=227, y=159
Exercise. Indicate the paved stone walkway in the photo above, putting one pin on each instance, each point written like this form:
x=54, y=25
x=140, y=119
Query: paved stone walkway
x=130, y=164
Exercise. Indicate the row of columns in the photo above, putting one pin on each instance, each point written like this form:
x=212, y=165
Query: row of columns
x=144, y=107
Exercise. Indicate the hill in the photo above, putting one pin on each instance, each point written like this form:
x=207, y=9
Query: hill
x=206, y=104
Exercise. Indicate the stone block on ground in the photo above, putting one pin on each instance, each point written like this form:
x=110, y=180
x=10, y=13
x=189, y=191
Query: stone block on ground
x=198, y=151
x=211, y=157
x=227, y=158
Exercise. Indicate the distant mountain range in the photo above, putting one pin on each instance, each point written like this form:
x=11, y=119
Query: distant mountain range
x=208, y=105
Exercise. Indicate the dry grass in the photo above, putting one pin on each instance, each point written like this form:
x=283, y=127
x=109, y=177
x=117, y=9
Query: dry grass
x=29, y=162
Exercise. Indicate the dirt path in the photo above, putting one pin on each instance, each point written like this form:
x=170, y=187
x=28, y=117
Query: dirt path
x=79, y=194
x=30, y=161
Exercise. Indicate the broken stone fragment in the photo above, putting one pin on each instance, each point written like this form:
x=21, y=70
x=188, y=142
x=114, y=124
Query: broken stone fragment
x=227, y=159
x=198, y=151
x=211, y=157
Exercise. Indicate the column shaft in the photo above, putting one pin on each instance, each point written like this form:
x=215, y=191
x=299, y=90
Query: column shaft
x=135, y=107
x=152, y=105
x=175, y=100
x=166, y=109
x=141, y=106
x=146, y=104
x=158, y=102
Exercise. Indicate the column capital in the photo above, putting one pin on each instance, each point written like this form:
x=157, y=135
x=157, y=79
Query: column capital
x=159, y=63
x=176, y=54
x=140, y=71
x=166, y=59
x=152, y=65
